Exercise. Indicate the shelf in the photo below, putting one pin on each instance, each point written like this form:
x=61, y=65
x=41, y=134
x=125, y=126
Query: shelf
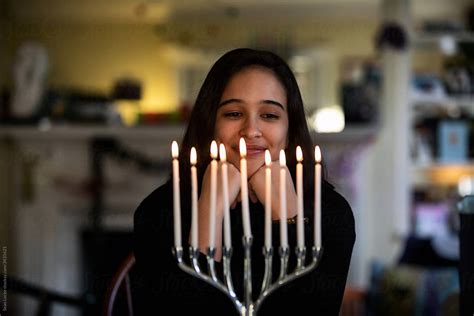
x=422, y=39
x=440, y=174
x=350, y=134
x=74, y=132
x=426, y=105
x=462, y=100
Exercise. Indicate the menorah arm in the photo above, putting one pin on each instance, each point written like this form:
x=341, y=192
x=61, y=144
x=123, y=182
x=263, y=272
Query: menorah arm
x=299, y=272
x=210, y=279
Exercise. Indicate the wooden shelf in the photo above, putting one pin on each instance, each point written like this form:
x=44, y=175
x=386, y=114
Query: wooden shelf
x=441, y=174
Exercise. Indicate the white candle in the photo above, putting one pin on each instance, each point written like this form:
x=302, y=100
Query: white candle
x=225, y=189
x=212, y=213
x=283, y=206
x=194, y=199
x=244, y=189
x=176, y=198
x=268, y=200
x=317, y=198
x=299, y=193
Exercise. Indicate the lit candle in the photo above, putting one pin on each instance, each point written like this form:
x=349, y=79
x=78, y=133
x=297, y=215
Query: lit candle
x=176, y=198
x=299, y=193
x=283, y=206
x=317, y=198
x=212, y=213
x=194, y=199
x=268, y=200
x=244, y=189
x=225, y=189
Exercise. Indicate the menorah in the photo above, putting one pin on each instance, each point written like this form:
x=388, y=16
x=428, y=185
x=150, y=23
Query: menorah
x=246, y=305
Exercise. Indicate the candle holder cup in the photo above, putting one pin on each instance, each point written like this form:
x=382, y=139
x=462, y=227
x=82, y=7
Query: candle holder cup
x=246, y=306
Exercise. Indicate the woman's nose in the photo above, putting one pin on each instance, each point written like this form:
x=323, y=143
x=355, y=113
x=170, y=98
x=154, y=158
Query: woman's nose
x=250, y=128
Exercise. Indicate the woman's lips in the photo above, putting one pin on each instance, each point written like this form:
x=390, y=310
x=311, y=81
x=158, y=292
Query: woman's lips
x=253, y=151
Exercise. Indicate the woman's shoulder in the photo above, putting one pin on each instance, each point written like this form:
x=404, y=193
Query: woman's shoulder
x=159, y=198
x=336, y=208
x=331, y=197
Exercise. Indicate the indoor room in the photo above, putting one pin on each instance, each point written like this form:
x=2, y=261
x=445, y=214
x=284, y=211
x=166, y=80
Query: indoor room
x=93, y=94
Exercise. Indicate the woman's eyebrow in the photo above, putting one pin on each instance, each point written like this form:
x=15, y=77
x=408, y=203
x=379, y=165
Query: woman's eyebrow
x=273, y=102
x=233, y=100
x=230, y=101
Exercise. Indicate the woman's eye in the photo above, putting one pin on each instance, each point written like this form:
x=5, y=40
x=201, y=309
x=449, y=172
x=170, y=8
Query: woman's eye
x=232, y=114
x=270, y=116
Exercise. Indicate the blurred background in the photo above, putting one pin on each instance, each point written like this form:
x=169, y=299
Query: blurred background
x=93, y=92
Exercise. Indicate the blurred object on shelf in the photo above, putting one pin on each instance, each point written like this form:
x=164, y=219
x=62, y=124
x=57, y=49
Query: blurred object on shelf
x=457, y=73
x=422, y=151
x=81, y=107
x=466, y=185
x=30, y=72
x=453, y=141
x=128, y=110
x=427, y=87
x=328, y=119
x=127, y=89
x=466, y=206
x=444, y=132
x=126, y=94
x=151, y=118
x=430, y=218
x=157, y=118
x=448, y=45
x=360, y=90
x=442, y=26
x=458, y=81
x=391, y=35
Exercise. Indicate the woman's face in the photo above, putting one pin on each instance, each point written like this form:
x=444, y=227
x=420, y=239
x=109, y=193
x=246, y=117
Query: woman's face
x=253, y=106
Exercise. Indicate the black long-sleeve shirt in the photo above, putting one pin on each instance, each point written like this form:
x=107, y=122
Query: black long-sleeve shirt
x=164, y=286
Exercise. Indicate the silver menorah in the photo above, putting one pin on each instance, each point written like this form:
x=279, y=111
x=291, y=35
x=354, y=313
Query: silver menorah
x=247, y=306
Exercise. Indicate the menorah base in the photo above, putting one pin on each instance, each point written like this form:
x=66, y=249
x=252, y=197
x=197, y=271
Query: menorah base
x=248, y=307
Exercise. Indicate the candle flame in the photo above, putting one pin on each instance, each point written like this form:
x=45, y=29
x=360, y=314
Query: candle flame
x=174, y=149
x=317, y=154
x=299, y=154
x=193, y=156
x=268, y=158
x=243, y=148
x=222, y=153
x=213, y=149
x=282, y=158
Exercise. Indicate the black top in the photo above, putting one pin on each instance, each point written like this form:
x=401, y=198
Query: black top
x=166, y=287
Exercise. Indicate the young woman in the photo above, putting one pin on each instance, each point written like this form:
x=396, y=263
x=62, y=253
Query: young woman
x=253, y=95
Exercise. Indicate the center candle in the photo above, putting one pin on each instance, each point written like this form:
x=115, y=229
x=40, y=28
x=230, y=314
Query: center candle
x=212, y=213
x=299, y=193
x=176, y=197
x=194, y=199
x=268, y=200
x=225, y=189
x=244, y=189
x=283, y=206
x=317, y=198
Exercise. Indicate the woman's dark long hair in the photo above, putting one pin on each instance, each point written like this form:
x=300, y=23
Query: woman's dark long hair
x=200, y=131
